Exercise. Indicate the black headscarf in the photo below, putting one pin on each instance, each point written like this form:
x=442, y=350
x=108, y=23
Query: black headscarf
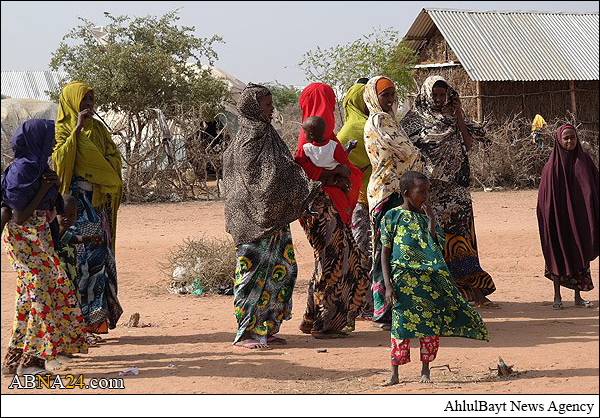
x=265, y=189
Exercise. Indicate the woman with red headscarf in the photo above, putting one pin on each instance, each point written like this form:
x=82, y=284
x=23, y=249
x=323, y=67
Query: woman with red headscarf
x=339, y=282
x=567, y=213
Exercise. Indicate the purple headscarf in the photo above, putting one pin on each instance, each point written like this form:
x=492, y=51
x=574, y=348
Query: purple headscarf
x=567, y=209
x=32, y=145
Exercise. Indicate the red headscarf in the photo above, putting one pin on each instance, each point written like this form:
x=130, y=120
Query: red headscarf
x=318, y=99
x=567, y=209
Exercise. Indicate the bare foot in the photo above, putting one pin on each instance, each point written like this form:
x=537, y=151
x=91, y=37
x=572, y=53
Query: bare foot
x=425, y=373
x=53, y=365
x=393, y=380
x=64, y=359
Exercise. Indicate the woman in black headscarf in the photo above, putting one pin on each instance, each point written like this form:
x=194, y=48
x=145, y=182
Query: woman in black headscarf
x=265, y=191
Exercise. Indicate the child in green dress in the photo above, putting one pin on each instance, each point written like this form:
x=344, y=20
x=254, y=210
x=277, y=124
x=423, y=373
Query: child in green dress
x=426, y=302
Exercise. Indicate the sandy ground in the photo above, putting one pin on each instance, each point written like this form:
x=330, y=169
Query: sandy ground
x=189, y=349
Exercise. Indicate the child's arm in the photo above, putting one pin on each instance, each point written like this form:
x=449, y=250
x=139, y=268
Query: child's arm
x=78, y=239
x=6, y=215
x=49, y=180
x=429, y=212
x=386, y=254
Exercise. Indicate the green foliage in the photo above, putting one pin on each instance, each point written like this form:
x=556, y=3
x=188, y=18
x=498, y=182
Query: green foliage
x=378, y=53
x=283, y=95
x=145, y=65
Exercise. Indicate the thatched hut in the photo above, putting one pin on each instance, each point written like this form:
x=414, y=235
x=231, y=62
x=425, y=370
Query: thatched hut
x=512, y=62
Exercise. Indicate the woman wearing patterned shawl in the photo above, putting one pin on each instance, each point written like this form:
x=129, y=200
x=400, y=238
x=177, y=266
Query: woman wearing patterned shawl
x=88, y=165
x=437, y=127
x=265, y=192
x=567, y=213
x=391, y=155
x=339, y=283
x=355, y=118
x=48, y=324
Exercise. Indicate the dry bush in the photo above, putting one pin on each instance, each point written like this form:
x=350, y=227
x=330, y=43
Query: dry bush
x=514, y=160
x=287, y=122
x=206, y=262
x=180, y=166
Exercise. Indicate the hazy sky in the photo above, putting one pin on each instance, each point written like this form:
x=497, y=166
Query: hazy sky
x=264, y=41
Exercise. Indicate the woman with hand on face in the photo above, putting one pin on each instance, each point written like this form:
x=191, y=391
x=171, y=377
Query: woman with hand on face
x=437, y=126
x=88, y=164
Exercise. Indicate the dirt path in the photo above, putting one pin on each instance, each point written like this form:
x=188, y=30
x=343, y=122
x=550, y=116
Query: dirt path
x=556, y=352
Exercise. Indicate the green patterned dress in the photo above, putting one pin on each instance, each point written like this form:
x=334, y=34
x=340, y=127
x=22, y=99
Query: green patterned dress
x=264, y=281
x=428, y=303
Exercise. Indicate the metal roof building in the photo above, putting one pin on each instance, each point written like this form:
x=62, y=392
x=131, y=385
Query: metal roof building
x=516, y=45
x=508, y=62
x=31, y=84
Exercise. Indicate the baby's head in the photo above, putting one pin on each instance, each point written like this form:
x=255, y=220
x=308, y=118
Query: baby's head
x=314, y=129
x=67, y=219
x=414, y=187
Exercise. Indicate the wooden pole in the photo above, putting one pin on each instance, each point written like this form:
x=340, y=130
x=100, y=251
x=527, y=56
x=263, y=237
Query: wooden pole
x=573, y=99
x=479, y=104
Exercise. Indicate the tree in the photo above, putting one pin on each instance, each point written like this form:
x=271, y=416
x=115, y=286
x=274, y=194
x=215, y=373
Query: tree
x=146, y=63
x=283, y=95
x=378, y=53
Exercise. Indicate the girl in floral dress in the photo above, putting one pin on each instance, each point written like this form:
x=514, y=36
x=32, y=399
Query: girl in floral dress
x=425, y=301
x=48, y=322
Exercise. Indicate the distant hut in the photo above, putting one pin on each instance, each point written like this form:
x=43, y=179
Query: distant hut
x=512, y=62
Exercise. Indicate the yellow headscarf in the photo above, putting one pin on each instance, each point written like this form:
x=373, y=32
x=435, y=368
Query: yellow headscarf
x=355, y=117
x=93, y=156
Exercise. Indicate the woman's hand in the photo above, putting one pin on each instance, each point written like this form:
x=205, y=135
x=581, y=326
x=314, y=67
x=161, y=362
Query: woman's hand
x=50, y=179
x=342, y=170
x=83, y=117
x=343, y=183
x=457, y=106
x=94, y=239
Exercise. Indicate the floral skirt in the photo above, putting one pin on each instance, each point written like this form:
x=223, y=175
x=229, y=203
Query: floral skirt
x=48, y=320
x=265, y=277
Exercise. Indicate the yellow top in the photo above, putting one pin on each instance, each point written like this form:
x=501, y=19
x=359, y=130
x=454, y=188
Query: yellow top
x=93, y=156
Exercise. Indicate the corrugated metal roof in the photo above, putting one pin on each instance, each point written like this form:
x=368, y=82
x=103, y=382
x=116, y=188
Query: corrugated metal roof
x=516, y=45
x=31, y=84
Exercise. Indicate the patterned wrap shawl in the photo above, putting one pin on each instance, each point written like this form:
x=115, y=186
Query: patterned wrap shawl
x=389, y=149
x=32, y=145
x=94, y=157
x=436, y=133
x=355, y=118
x=265, y=189
x=567, y=209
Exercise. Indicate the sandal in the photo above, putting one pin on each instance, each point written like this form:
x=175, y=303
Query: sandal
x=488, y=304
x=584, y=304
x=557, y=305
x=253, y=345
